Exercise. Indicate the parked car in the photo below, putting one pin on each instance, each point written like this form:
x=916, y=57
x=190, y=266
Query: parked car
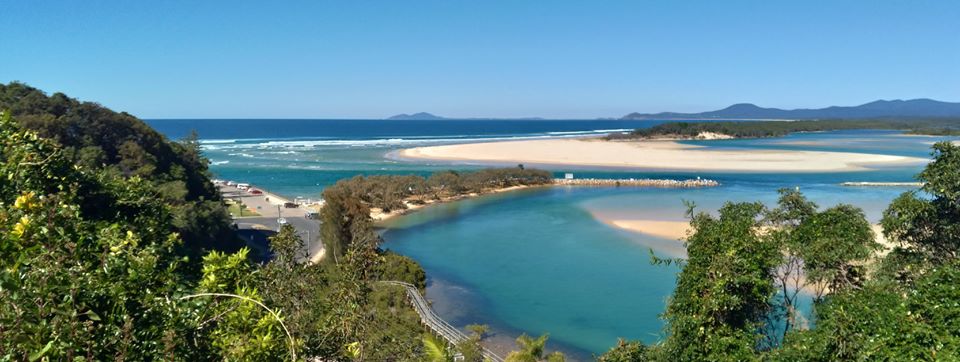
x=290, y=205
x=255, y=192
x=231, y=183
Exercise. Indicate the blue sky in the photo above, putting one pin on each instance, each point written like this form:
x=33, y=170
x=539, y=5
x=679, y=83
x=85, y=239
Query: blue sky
x=556, y=59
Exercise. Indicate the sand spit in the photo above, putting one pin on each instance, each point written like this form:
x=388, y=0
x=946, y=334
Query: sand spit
x=654, y=155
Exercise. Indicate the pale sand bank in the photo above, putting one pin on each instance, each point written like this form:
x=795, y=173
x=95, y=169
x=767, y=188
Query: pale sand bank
x=674, y=230
x=661, y=155
x=678, y=230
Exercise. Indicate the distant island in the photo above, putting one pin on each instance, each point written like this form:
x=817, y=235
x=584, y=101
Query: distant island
x=875, y=109
x=421, y=116
x=424, y=116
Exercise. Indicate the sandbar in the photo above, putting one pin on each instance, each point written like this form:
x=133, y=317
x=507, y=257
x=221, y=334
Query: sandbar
x=652, y=154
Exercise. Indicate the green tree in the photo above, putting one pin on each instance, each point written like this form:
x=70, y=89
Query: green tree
x=75, y=281
x=471, y=348
x=626, y=351
x=793, y=209
x=533, y=350
x=723, y=291
x=930, y=225
x=98, y=138
x=402, y=268
x=831, y=242
x=342, y=216
x=880, y=323
x=299, y=289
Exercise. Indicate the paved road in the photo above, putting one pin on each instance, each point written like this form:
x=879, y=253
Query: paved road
x=256, y=230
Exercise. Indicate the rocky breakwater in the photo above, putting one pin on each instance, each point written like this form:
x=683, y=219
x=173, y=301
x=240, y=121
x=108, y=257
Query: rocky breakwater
x=666, y=183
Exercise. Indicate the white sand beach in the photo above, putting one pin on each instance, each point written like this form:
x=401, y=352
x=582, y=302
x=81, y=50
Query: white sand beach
x=656, y=155
x=678, y=230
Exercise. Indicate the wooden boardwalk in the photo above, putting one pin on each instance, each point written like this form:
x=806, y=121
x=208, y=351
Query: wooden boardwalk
x=439, y=326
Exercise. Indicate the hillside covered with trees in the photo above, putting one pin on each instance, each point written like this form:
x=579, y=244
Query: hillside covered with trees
x=90, y=269
x=760, y=129
x=96, y=137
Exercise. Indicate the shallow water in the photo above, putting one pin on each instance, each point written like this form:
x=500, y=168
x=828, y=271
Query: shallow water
x=536, y=261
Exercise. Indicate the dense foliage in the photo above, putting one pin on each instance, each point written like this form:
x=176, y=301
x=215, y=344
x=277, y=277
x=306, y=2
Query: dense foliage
x=95, y=137
x=78, y=281
x=758, y=129
x=722, y=294
x=737, y=293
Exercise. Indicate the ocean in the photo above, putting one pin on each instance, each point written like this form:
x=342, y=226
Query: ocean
x=541, y=260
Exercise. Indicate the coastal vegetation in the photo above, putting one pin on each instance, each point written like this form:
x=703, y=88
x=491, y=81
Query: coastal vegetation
x=90, y=269
x=345, y=217
x=759, y=129
x=737, y=293
x=97, y=138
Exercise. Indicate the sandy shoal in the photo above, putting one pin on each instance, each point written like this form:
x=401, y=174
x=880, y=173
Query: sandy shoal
x=678, y=230
x=663, y=155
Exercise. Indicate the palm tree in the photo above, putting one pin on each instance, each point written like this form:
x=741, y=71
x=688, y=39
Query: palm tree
x=435, y=349
x=531, y=350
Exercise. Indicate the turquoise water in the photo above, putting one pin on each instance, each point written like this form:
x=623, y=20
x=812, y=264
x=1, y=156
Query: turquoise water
x=542, y=260
x=540, y=264
x=539, y=261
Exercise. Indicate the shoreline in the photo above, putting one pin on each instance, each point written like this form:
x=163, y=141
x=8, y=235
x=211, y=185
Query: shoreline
x=378, y=215
x=649, y=155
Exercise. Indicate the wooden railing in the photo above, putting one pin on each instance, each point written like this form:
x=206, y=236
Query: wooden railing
x=439, y=326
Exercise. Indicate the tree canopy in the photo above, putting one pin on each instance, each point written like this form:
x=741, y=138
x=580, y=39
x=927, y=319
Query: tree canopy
x=96, y=137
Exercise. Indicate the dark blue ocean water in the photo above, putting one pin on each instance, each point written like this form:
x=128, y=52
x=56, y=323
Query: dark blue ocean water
x=361, y=129
x=539, y=260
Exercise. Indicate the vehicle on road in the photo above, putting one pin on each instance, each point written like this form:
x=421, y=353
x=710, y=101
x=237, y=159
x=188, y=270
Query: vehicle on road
x=290, y=205
x=255, y=192
x=282, y=221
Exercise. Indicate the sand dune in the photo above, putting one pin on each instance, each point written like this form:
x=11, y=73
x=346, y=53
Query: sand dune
x=656, y=155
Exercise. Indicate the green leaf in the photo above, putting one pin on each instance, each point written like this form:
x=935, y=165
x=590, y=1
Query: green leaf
x=36, y=355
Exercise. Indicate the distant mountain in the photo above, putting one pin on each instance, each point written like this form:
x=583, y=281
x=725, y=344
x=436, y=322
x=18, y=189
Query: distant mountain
x=422, y=116
x=876, y=109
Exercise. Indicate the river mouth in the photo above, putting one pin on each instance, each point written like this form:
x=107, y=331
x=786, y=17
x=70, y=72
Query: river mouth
x=544, y=260
x=535, y=262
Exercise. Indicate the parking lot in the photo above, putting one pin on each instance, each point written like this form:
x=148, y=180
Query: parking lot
x=271, y=209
